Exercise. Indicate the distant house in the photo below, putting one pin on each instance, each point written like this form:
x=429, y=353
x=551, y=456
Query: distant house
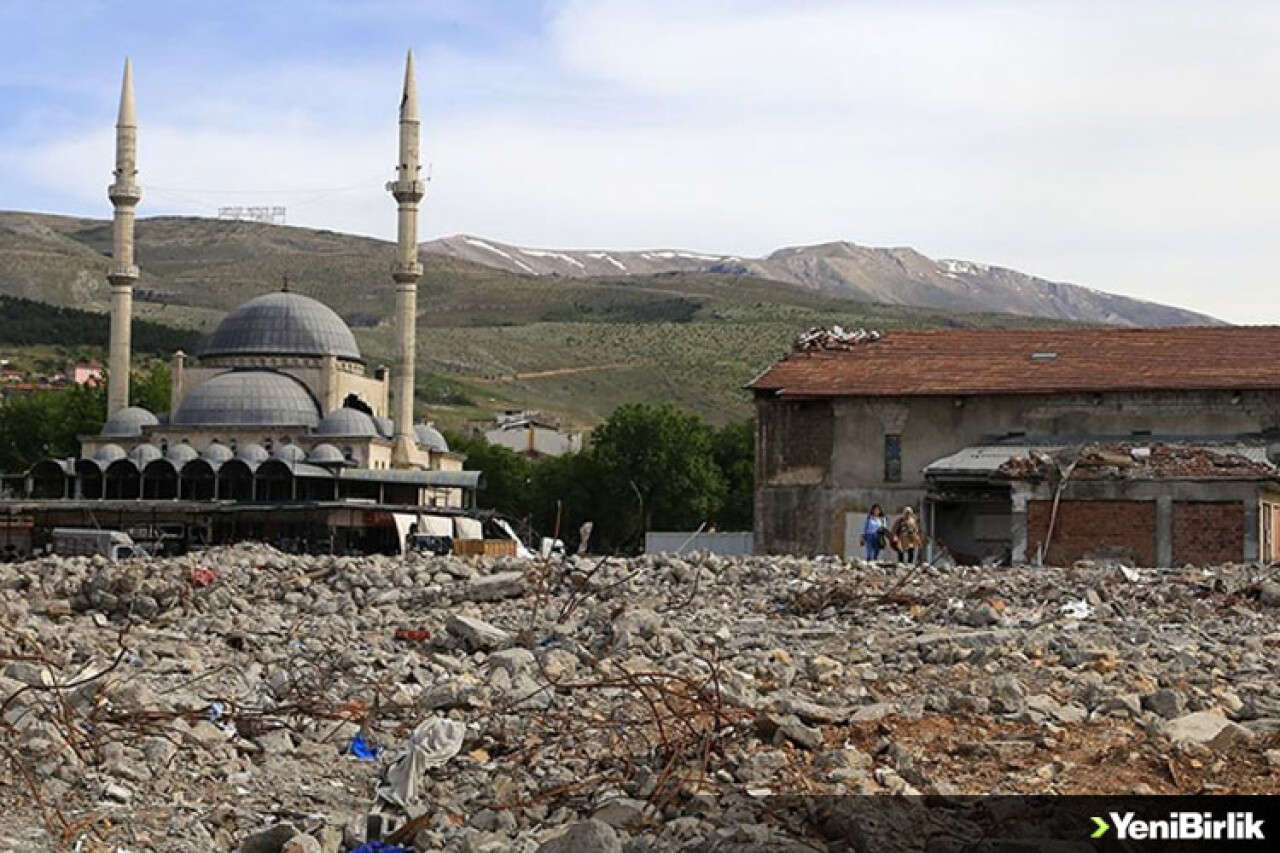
x=86, y=373
x=1150, y=445
x=532, y=434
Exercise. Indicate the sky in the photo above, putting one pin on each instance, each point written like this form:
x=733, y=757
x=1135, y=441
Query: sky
x=1126, y=145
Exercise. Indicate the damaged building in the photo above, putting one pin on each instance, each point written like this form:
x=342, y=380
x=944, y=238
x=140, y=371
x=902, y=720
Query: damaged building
x=1155, y=446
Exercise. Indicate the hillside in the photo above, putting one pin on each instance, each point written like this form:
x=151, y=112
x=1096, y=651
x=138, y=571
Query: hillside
x=488, y=339
x=895, y=276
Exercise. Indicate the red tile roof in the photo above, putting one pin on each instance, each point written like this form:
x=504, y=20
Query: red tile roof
x=1034, y=361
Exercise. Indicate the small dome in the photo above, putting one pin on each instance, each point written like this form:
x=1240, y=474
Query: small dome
x=430, y=437
x=128, y=422
x=348, y=422
x=108, y=453
x=217, y=453
x=181, y=454
x=252, y=453
x=386, y=427
x=325, y=454
x=283, y=324
x=144, y=454
x=249, y=398
x=290, y=454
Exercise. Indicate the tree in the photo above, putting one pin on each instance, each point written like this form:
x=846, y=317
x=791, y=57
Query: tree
x=507, y=475
x=655, y=465
x=734, y=448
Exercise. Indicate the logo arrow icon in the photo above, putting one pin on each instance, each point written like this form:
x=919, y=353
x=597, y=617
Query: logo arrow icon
x=1102, y=825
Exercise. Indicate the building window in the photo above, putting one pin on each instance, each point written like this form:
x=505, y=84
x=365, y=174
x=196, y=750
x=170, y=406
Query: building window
x=893, y=458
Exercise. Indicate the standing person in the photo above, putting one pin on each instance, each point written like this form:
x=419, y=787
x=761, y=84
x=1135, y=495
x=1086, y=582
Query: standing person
x=874, y=532
x=906, y=535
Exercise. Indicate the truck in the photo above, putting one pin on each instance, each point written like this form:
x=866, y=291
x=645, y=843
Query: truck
x=83, y=542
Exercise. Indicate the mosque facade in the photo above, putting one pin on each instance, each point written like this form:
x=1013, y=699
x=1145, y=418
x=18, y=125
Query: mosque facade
x=278, y=425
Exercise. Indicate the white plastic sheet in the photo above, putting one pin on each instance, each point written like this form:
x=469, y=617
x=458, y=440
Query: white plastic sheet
x=433, y=743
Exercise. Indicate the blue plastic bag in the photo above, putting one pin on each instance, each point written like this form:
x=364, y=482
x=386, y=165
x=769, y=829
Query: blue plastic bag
x=381, y=847
x=362, y=749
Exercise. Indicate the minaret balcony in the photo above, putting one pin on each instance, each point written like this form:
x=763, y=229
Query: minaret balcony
x=122, y=271
x=124, y=193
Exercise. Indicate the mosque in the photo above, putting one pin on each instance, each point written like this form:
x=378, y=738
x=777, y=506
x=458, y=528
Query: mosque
x=278, y=430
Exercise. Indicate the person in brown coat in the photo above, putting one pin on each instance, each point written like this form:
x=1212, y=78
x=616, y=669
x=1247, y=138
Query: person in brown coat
x=906, y=535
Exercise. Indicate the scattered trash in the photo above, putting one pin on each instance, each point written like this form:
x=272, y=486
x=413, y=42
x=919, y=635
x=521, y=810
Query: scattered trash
x=413, y=635
x=1079, y=609
x=362, y=749
x=202, y=576
x=432, y=744
x=1131, y=575
x=380, y=847
x=216, y=711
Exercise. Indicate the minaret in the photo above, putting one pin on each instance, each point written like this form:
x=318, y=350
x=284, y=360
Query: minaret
x=125, y=195
x=408, y=191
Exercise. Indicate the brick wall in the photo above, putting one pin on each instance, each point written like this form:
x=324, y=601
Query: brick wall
x=1093, y=529
x=1205, y=533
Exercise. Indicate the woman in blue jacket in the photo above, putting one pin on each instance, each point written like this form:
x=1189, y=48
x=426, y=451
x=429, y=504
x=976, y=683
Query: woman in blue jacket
x=872, y=532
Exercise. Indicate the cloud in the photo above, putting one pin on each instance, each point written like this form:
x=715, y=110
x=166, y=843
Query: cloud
x=1123, y=146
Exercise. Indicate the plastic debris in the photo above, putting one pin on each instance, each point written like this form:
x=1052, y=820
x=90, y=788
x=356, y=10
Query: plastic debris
x=362, y=749
x=216, y=711
x=202, y=576
x=1078, y=609
x=381, y=847
x=413, y=635
x=432, y=744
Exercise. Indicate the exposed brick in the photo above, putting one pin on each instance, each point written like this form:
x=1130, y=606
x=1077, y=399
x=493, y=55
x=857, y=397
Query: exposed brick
x=1092, y=529
x=1208, y=532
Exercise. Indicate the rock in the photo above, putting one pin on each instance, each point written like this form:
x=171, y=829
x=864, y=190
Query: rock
x=1166, y=703
x=1269, y=594
x=302, y=844
x=799, y=734
x=269, y=841
x=588, y=836
x=477, y=634
x=621, y=812
x=981, y=616
x=1273, y=757
x=873, y=713
x=492, y=587
x=1205, y=727
x=1008, y=696
x=276, y=742
x=811, y=712
x=514, y=662
x=117, y=793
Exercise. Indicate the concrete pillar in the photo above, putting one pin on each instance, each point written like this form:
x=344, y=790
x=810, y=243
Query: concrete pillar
x=1164, y=531
x=1252, y=529
x=123, y=274
x=408, y=191
x=1018, y=528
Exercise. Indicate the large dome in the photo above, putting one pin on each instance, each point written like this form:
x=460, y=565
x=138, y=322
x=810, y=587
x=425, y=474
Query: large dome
x=249, y=398
x=282, y=324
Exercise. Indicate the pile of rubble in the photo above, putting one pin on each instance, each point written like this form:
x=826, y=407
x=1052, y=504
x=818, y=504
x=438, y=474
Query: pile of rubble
x=242, y=699
x=833, y=338
x=1157, y=461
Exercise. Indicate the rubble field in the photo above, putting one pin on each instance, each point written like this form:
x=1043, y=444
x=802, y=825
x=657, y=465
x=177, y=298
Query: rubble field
x=210, y=702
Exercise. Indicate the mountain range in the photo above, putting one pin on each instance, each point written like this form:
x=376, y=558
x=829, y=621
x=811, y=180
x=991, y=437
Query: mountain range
x=544, y=333
x=894, y=276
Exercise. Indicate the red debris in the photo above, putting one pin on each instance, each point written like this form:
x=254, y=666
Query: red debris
x=202, y=576
x=413, y=635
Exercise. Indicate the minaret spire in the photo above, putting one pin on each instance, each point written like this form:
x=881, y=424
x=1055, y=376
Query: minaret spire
x=125, y=194
x=408, y=191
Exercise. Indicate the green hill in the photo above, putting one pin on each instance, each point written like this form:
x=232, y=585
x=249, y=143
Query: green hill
x=488, y=339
